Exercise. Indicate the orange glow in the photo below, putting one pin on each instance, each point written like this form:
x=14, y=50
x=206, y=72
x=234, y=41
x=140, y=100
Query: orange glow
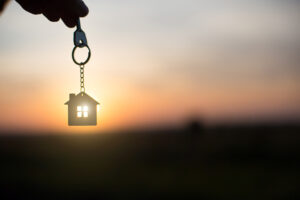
x=40, y=112
x=143, y=72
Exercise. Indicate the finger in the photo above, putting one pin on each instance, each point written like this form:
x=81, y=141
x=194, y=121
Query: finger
x=72, y=10
x=69, y=20
x=80, y=8
x=50, y=11
x=76, y=8
x=34, y=8
x=53, y=17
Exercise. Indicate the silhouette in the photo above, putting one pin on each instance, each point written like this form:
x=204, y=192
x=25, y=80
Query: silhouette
x=82, y=110
x=67, y=10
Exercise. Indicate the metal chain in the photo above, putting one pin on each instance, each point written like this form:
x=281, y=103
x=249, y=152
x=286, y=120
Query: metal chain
x=82, y=88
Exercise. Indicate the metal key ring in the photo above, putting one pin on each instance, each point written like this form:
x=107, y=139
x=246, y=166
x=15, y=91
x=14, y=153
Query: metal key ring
x=87, y=59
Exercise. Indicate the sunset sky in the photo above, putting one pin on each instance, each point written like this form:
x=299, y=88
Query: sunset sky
x=153, y=63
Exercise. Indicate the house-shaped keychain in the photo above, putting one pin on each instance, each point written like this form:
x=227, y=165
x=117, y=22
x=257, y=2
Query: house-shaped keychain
x=82, y=110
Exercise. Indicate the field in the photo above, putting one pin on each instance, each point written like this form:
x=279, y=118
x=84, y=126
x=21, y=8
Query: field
x=240, y=162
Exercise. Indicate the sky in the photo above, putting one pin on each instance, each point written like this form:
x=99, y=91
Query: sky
x=154, y=63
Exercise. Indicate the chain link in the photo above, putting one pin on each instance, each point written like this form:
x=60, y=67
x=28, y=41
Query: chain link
x=82, y=88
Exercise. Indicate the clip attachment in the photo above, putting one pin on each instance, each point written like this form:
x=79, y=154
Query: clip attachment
x=79, y=36
x=80, y=41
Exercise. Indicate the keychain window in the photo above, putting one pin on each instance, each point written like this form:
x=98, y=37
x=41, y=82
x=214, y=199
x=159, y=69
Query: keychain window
x=82, y=111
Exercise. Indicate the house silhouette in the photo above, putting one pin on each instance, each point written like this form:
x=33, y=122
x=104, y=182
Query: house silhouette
x=82, y=110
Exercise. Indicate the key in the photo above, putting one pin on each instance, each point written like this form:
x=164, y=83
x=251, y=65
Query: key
x=79, y=36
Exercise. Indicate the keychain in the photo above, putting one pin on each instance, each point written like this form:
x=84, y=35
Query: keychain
x=82, y=109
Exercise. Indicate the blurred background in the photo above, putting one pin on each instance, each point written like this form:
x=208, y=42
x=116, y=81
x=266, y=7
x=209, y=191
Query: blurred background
x=154, y=63
x=197, y=97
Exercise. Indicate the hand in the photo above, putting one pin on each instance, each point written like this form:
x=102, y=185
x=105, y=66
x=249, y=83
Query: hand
x=68, y=10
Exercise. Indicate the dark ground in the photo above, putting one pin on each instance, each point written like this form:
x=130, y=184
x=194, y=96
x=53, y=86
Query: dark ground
x=237, y=162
